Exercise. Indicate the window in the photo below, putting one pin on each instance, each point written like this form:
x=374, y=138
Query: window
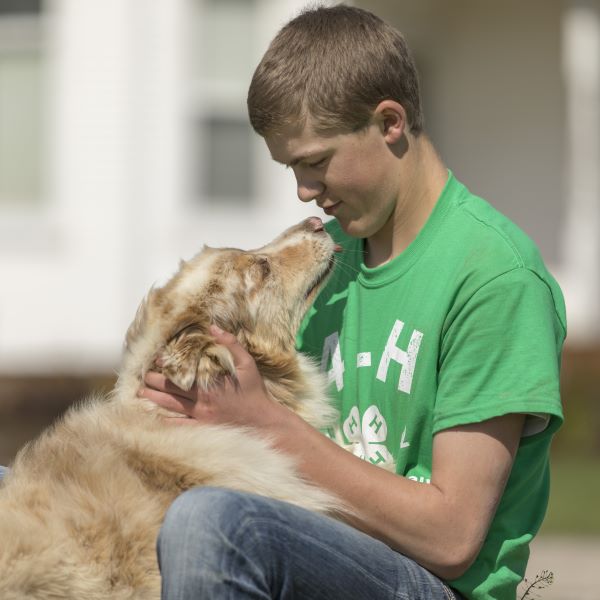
x=21, y=122
x=223, y=52
x=227, y=169
x=11, y=7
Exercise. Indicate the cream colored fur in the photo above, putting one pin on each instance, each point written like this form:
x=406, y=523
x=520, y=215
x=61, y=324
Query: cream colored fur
x=81, y=509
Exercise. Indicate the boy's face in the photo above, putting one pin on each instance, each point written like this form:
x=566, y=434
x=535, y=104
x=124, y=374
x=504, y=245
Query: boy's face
x=351, y=176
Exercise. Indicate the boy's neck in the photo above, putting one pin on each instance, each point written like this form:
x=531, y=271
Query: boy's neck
x=422, y=177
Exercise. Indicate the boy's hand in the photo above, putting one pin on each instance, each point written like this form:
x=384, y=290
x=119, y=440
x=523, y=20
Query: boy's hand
x=246, y=403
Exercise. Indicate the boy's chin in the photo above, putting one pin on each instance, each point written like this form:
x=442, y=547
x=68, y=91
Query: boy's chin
x=355, y=229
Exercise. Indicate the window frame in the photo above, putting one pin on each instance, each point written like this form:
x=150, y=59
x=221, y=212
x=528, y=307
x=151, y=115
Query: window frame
x=29, y=226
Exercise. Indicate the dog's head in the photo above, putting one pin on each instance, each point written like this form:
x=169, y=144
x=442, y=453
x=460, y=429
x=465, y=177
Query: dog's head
x=258, y=295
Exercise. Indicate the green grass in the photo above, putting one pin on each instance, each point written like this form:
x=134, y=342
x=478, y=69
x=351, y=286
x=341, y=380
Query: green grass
x=574, y=497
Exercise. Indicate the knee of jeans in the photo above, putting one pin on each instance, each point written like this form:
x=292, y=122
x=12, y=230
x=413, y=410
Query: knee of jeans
x=204, y=510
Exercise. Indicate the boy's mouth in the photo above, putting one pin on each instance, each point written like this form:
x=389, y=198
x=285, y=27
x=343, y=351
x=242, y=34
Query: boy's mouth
x=331, y=209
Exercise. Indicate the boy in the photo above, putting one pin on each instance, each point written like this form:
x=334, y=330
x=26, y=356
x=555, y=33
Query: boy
x=441, y=331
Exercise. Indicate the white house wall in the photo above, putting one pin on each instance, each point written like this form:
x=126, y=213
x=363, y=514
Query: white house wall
x=62, y=302
x=581, y=228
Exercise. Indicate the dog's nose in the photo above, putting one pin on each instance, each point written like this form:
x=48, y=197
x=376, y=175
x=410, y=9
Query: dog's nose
x=314, y=223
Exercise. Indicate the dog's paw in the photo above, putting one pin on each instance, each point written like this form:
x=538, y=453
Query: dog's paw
x=191, y=357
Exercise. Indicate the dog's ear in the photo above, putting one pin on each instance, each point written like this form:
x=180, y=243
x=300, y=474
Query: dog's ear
x=191, y=356
x=139, y=323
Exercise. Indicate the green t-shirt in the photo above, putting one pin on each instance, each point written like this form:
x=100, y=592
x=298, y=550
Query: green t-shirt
x=465, y=325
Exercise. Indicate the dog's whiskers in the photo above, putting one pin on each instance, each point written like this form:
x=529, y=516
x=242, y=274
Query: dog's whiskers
x=345, y=266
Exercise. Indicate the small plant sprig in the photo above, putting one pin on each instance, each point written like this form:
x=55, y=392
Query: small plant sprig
x=542, y=580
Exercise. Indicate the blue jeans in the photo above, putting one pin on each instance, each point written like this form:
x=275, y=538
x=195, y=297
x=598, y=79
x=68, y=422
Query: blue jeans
x=220, y=544
x=3, y=472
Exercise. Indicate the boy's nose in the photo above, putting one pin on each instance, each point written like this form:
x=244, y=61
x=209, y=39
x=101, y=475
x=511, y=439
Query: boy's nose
x=309, y=190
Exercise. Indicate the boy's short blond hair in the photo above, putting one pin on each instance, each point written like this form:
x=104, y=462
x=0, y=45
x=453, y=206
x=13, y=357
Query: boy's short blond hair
x=334, y=64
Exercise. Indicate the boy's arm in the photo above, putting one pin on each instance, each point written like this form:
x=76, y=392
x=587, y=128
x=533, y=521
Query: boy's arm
x=442, y=525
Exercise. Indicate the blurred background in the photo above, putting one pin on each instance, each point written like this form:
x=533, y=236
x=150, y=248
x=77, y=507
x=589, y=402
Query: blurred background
x=124, y=145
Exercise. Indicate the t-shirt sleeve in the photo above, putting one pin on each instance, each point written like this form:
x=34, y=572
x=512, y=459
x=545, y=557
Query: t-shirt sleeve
x=501, y=354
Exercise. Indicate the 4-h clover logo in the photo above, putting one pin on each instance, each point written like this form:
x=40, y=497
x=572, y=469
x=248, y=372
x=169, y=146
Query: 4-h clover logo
x=367, y=435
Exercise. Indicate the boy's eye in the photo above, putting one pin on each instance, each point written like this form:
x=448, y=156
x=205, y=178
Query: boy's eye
x=318, y=163
x=311, y=165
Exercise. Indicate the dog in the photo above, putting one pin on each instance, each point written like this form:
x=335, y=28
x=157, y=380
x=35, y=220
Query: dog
x=81, y=508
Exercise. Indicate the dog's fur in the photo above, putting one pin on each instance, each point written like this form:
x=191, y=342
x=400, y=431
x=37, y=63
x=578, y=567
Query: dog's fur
x=81, y=508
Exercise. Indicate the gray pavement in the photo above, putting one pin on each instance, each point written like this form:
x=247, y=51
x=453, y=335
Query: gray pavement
x=575, y=562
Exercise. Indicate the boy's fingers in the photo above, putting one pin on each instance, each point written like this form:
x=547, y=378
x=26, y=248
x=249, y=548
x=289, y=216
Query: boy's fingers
x=224, y=337
x=159, y=382
x=240, y=355
x=168, y=401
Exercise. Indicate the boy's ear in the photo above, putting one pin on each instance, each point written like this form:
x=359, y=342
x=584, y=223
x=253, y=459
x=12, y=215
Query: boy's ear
x=391, y=117
x=192, y=357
